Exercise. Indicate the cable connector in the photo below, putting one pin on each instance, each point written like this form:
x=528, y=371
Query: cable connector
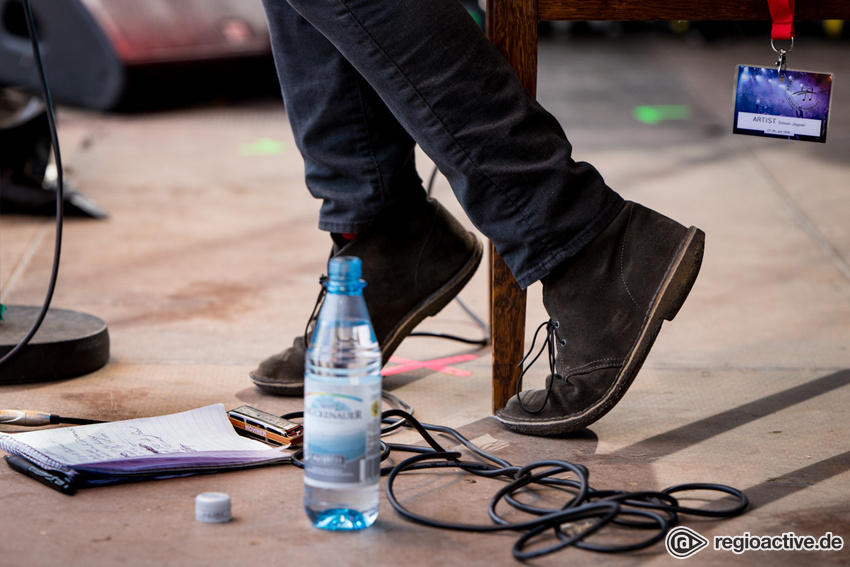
x=27, y=418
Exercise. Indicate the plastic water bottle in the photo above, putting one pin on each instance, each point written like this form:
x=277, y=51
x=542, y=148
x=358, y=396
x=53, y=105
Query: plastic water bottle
x=342, y=406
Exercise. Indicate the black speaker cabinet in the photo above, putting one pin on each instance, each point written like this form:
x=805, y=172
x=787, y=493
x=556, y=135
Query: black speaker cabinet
x=91, y=48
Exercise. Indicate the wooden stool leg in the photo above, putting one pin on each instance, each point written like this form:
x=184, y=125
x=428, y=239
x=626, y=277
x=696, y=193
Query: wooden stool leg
x=507, y=330
x=512, y=27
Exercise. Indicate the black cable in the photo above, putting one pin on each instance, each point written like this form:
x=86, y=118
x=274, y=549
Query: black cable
x=74, y=420
x=581, y=506
x=478, y=320
x=647, y=499
x=431, y=179
x=482, y=342
x=652, y=512
x=604, y=513
x=60, y=193
x=710, y=487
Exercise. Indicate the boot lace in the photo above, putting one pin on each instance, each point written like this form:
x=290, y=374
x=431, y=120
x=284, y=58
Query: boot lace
x=549, y=345
x=311, y=322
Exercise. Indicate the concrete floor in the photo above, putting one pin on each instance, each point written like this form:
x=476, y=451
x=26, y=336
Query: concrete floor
x=209, y=262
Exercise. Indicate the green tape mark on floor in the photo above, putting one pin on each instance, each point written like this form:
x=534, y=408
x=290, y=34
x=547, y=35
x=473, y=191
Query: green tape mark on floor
x=262, y=147
x=656, y=114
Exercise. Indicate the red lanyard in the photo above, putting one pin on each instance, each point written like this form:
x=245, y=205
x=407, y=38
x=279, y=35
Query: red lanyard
x=782, y=13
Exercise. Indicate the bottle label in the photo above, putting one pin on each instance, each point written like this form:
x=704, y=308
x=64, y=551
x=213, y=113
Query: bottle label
x=342, y=429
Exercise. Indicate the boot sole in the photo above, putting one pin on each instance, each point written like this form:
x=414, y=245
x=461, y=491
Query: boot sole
x=672, y=293
x=428, y=307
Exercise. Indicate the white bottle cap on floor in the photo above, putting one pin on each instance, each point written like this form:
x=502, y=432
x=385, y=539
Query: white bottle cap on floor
x=212, y=507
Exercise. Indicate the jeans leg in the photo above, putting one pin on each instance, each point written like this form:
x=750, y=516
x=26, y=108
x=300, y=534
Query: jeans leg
x=357, y=157
x=507, y=159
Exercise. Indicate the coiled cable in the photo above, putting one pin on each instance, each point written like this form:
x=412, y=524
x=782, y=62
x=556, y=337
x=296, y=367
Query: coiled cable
x=585, y=512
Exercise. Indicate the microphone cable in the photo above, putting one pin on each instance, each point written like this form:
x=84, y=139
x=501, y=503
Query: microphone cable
x=485, y=340
x=60, y=192
x=587, y=511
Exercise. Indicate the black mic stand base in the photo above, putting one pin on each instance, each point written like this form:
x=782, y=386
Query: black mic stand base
x=67, y=345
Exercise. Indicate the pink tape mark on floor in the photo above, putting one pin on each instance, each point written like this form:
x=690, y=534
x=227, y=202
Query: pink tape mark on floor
x=438, y=364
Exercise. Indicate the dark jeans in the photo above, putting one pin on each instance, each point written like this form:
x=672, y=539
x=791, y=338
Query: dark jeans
x=363, y=81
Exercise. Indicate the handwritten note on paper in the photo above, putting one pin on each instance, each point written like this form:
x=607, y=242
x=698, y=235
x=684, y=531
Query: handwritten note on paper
x=201, y=430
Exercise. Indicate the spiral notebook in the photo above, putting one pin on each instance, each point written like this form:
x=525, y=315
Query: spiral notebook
x=191, y=442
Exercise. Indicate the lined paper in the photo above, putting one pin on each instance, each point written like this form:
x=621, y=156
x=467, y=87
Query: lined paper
x=204, y=431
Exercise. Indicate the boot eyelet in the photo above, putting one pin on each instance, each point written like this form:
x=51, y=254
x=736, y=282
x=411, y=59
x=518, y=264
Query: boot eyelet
x=563, y=342
x=556, y=324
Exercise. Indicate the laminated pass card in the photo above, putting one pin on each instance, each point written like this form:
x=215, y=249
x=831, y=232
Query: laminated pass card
x=779, y=103
x=191, y=442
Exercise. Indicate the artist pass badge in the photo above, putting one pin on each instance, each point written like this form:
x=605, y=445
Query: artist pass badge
x=792, y=104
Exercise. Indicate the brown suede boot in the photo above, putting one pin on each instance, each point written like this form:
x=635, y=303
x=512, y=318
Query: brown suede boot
x=416, y=259
x=606, y=307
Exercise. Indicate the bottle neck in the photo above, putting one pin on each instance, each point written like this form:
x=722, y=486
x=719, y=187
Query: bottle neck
x=344, y=287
